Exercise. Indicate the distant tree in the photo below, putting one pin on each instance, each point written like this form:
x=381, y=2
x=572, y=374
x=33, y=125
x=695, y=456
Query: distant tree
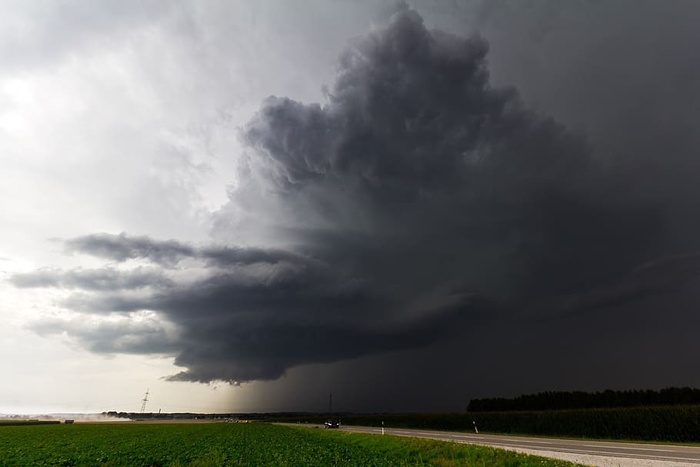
x=559, y=400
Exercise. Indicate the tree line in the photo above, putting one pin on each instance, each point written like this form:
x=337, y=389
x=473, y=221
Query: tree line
x=560, y=400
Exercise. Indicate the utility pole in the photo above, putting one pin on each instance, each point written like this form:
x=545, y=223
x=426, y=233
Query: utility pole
x=145, y=399
x=330, y=403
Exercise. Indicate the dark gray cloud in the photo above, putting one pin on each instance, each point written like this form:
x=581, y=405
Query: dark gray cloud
x=622, y=72
x=254, y=314
x=231, y=256
x=418, y=207
x=417, y=151
x=121, y=248
x=143, y=335
x=106, y=279
x=663, y=277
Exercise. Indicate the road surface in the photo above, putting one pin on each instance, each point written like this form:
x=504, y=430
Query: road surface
x=600, y=453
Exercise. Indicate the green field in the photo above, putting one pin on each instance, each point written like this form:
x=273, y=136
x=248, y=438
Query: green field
x=224, y=444
x=28, y=422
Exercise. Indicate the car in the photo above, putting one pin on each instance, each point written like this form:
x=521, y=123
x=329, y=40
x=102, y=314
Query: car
x=332, y=423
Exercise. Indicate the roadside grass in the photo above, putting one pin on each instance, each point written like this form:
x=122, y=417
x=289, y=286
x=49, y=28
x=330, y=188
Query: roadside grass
x=222, y=444
x=667, y=424
x=419, y=451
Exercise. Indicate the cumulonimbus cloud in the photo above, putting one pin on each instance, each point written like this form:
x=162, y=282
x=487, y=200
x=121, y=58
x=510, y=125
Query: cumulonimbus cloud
x=417, y=201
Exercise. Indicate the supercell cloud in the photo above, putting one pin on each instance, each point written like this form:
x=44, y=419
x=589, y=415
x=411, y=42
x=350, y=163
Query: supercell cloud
x=416, y=204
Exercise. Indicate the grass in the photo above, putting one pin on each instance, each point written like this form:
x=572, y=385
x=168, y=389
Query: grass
x=668, y=424
x=222, y=444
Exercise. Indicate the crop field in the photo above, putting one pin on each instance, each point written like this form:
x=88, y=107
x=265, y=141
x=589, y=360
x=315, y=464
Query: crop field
x=226, y=444
x=28, y=422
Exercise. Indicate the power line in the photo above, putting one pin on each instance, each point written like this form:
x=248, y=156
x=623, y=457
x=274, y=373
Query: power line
x=145, y=399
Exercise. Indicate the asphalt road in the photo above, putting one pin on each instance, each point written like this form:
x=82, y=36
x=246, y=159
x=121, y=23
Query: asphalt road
x=683, y=455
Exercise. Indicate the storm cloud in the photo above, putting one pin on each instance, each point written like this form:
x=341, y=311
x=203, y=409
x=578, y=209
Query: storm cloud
x=249, y=314
x=417, y=204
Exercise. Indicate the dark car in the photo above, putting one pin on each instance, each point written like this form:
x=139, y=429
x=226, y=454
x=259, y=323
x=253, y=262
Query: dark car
x=332, y=423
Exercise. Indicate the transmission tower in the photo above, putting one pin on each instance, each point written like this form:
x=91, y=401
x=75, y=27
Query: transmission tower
x=143, y=402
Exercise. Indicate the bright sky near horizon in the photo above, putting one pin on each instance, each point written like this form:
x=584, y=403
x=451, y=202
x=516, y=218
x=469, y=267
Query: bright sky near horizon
x=419, y=215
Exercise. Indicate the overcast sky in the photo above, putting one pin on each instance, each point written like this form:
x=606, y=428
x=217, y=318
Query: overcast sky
x=243, y=206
